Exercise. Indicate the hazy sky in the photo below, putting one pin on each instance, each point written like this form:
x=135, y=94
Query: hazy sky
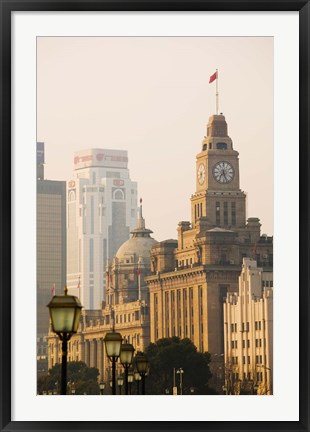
x=151, y=96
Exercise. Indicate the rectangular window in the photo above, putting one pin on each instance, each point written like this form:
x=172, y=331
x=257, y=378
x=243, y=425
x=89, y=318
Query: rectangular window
x=225, y=213
x=218, y=213
x=92, y=215
x=91, y=255
x=243, y=343
x=248, y=343
x=233, y=213
x=243, y=359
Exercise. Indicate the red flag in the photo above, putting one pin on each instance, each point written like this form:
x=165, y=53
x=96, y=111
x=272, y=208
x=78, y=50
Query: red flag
x=139, y=271
x=213, y=77
x=53, y=290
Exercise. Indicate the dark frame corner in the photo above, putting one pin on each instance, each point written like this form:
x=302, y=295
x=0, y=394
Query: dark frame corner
x=9, y=6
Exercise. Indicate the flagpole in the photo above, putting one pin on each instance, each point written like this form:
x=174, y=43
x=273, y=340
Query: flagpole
x=217, y=93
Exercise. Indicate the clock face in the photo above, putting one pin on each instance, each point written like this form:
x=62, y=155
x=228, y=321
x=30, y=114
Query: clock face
x=201, y=173
x=223, y=172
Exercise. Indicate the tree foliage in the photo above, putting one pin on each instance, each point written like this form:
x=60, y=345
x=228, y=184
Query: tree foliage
x=169, y=353
x=83, y=378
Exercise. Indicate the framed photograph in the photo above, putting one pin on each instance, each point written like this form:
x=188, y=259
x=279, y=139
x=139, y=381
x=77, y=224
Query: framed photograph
x=171, y=110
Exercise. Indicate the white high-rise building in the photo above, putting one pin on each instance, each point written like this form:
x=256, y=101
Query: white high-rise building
x=248, y=332
x=102, y=210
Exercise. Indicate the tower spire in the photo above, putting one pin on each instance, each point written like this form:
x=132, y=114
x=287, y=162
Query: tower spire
x=141, y=231
x=141, y=221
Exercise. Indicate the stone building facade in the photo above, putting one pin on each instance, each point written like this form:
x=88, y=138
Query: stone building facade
x=248, y=333
x=101, y=211
x=192, y=276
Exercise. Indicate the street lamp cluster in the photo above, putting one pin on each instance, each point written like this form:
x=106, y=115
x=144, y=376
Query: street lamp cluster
x=65, y=312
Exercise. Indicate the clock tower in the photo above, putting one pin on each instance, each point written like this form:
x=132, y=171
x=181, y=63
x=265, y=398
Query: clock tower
x=218, y=198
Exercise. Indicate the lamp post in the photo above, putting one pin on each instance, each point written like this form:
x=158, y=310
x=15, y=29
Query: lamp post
x=65, y=312
x=270, y=378
x=142, y=366
x=126, y=355
x=101, y=387
x=137, y=378
x=130, y=379
x=113, y=342
x=181, y=372
x=120, y=382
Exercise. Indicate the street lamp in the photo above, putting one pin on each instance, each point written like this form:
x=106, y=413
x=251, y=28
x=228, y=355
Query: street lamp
x=142, y=365
x=101, y=387
x=126, y=355
x=113, y=342
x=120, y=382
x=181, y=372
x=137, y=378
x=65, y=312
x=270, y=377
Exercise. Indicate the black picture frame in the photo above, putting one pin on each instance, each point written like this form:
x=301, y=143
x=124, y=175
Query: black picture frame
x=9, y=6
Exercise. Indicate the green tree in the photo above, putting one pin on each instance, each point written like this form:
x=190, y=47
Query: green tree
x=169, y=353
x=83, y=378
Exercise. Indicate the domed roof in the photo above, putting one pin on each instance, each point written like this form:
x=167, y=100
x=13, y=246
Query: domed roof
x=139, y=245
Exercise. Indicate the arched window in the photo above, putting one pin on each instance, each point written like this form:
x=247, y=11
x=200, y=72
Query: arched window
x=118, y=194
x=71, y=195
